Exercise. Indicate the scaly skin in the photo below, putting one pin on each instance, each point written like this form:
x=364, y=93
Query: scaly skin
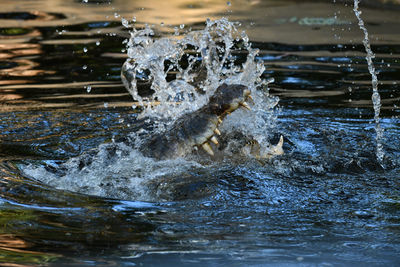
x=197, y=129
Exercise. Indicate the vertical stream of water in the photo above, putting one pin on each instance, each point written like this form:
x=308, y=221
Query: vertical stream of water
x=376, y=99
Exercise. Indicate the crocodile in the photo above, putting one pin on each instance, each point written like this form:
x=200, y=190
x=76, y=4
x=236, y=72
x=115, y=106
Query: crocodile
x=197, y=129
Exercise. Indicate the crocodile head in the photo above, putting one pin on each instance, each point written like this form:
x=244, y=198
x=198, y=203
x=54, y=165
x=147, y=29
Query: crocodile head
x=228, y=98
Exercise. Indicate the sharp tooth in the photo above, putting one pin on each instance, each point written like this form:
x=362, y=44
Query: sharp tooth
x=219, y=121
x=244, y=104
x=217, y=131
x=208, y=149
x=251, y=98
x=214, y=140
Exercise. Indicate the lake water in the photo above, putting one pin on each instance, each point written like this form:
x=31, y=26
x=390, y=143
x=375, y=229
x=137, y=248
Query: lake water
x=327, y=201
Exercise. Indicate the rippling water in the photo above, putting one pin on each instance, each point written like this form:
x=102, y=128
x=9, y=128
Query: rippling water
x=327, y=201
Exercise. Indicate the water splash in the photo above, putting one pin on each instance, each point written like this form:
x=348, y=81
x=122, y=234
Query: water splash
x=376, y=99
x=186, y=69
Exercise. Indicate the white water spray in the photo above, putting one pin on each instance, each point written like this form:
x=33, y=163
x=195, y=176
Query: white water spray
x=376, y=99
x=216, y=48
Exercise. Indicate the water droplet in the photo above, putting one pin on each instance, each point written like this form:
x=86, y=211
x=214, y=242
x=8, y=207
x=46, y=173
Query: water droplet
x=125, y=23
x=229, y=3
x=84, y=67
x=85, y=49
x=89, y=88
x=182, y=26
x=98, y=43
x=105, y=104
x=85, y=1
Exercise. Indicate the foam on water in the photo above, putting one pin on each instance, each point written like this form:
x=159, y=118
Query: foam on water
x=123, y=176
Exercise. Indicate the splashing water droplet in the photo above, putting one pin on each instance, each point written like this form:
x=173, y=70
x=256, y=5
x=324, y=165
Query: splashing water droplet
x=85, y=49
x=89, y=88
x=125, y=23
x=376, y=99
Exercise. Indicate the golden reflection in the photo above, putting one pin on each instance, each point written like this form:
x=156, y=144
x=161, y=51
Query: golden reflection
x=173, y=12
x=10, y=242
x=15, y=251
x=24, y=68
x=14, y=50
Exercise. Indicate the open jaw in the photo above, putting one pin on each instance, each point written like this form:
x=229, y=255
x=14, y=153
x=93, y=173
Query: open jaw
x=198, y=129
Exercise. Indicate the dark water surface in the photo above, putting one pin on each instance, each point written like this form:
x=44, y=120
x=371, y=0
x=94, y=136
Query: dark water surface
x=326, y=202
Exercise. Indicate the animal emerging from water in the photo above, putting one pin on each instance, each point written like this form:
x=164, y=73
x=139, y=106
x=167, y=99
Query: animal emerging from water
x=199, y=129
x=191, y=136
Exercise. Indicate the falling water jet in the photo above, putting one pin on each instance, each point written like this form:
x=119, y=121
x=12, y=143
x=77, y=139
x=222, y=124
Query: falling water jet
x=376, y=99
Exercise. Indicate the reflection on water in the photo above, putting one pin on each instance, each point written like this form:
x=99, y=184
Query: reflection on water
x=327, y=201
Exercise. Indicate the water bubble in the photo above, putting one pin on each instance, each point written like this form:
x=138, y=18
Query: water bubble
x=89, y=88
x=84, y=67
x=85, y=49
x=98, y=43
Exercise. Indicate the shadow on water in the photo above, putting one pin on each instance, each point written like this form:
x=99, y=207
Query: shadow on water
x=327, y=201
